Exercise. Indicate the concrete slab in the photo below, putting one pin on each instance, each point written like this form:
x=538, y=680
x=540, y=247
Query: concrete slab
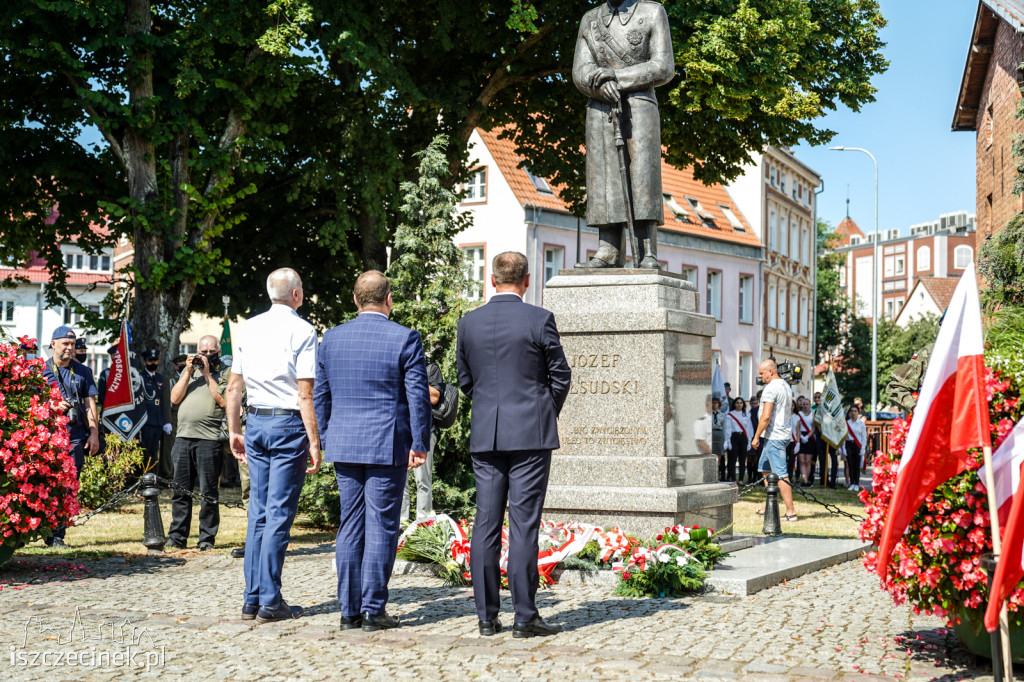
x=772, y=560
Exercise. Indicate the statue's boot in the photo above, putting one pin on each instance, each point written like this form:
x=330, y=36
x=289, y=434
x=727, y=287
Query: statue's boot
x=650, y=248
x=608, y=255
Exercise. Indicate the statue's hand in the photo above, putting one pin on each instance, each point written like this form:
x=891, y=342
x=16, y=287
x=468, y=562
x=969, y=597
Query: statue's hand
x=610, y=92
x=602, y=76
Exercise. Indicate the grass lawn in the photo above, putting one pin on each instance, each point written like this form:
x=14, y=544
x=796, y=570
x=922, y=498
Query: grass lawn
x=119, y=532
x=814, y=519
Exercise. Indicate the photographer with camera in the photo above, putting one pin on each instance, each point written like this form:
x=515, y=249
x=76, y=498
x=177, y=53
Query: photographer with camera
x=199, y=395
x=774, y=422
x=78, y=402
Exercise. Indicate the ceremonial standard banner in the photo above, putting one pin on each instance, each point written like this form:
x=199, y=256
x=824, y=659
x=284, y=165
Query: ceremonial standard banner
x=225, y=343
x=119, y=397
x=717, y=385
x=830, y=415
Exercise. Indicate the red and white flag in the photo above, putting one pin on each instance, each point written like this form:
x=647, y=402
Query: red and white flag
x=951, y=415
x=1006, y=463
x=119, y=397
x=1006, y=469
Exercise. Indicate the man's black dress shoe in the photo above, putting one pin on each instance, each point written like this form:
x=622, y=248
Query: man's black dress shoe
x=535, y=628
x=249, y=611
x=490, y=627
x=372, y=623
x=238, y=552
x=351, y=622
x=281, y=612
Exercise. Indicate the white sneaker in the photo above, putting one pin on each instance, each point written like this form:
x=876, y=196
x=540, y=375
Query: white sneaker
x=852, y=487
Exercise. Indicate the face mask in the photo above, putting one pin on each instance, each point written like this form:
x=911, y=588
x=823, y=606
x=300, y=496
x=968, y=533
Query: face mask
x=151, y=367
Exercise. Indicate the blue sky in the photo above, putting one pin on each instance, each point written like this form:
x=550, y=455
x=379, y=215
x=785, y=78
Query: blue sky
x=924, y=168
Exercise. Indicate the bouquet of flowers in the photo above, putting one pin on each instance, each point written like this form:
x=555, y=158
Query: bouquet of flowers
x=665, y=571
x=697, y=542
x=439, y=541
x=935, y=565
x=38, y=485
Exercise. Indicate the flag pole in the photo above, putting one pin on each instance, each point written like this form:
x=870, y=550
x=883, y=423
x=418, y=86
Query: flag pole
x=993, y=515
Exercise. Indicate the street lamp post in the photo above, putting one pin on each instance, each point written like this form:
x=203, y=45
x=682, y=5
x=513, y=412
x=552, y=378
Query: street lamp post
x=874, y=286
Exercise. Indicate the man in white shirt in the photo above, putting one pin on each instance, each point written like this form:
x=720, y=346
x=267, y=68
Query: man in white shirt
x=774, y=422
x=275, y=361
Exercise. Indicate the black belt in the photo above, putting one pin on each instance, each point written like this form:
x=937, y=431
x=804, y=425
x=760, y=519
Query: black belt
x=273, y=412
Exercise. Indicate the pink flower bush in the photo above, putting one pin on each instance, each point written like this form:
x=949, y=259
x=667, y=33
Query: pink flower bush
x=38, y=485
x=935, y=566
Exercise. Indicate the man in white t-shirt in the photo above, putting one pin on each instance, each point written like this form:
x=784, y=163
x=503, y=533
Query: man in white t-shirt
x=774, y=422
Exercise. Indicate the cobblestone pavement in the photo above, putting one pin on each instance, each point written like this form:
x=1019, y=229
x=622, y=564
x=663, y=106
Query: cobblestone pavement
x=834, y=624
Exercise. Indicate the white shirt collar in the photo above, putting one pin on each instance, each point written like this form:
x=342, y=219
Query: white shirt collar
x=508, y=293
x=282, y=308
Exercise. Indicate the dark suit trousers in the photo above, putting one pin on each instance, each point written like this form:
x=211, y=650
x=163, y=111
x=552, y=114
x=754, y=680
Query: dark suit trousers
x=520, y=480
x=371, y=505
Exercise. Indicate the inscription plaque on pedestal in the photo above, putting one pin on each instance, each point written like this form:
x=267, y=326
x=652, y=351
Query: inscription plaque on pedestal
x=640, y=354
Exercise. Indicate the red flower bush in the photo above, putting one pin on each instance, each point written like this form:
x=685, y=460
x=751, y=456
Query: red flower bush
x=38, y=485
x=935, y=565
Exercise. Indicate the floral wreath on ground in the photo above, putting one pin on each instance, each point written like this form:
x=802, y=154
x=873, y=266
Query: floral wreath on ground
x=38, y=486
x=671, y=564
x=936, y=564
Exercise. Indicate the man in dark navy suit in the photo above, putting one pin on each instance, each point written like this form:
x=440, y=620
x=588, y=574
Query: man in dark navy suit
x=373, y=411
x=511, y=365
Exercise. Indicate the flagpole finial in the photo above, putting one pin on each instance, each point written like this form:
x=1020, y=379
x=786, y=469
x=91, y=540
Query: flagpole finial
x=226, y=300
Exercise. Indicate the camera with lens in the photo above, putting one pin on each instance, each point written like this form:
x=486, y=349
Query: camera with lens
x=790, y=372
x=72, y=415
x=199, y=360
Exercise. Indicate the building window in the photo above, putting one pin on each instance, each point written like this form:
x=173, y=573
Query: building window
x=889, y=305
x=701, y=212
x=187, y=348
x=6, y=312
x=105, y=263
x=743, y=380
x=476, y=187
x=924, y=258
x=782, y=311
x=731, y=217
x=746, y=299
x=774, y=179
x=539, y=183
x=690, y=274
x=773, y=235
x=772, y=319
x=888, y=266
x=802, y=320
x=677, y=210
x=782, y=183
x=793, y=310
x=794, y=240
x=783, y=236
x=901, y=265
x=962, y=257
x=74, y=316
x=715, y=294
x=806, y=237
x=475, y=265
x=554, y=260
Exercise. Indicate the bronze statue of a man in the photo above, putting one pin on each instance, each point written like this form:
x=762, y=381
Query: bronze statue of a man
x=624, y=51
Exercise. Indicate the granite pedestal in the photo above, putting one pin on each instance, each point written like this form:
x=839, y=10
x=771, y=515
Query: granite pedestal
x=640, y=354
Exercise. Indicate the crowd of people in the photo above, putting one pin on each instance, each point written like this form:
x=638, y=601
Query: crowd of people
x=727, y=431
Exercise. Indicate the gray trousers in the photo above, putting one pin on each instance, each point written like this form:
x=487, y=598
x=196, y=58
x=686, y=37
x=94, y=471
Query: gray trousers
x=424, y=486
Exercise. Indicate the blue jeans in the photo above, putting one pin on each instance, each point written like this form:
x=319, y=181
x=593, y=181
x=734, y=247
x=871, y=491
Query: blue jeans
x=774, y=454
x=277, y=449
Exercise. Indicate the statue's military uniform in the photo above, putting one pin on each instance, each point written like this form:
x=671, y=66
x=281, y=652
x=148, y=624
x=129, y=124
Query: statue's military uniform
x=632, y=46
x=906, y=379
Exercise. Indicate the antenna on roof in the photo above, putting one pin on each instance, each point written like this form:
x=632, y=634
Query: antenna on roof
x=847, y=200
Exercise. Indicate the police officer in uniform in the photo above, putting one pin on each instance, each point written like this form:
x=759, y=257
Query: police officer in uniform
x=158, y=420
x=905, y=380
x=81, y=352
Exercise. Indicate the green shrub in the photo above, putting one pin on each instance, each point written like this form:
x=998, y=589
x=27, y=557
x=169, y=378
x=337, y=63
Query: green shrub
x=109, y=473
x=319, y=498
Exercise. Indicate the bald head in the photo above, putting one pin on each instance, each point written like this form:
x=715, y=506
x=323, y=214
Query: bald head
x=373, y=292
x=768, y=370
x=284, y=286
x=208, y=343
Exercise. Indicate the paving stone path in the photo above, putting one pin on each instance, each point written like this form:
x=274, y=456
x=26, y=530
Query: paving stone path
x=831, y=625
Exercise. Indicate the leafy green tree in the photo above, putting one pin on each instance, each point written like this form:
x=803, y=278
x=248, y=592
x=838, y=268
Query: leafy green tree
x=832, y=307
x=428, y=283
x=1001, y=266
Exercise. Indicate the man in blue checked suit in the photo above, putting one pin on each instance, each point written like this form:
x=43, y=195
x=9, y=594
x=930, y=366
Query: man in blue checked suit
x=511, y=365
x=373, y=410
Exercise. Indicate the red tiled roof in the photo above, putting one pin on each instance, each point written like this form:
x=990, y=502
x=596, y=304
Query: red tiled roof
x=35, y=275
x=679, y=183
x=940, y=289
x=847, y=229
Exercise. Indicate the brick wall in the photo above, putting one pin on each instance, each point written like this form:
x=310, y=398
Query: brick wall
x=997, y=124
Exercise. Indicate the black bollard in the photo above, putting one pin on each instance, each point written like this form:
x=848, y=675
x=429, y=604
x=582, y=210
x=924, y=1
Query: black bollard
x=988, y=564
x=153, y=525
x=771, y=507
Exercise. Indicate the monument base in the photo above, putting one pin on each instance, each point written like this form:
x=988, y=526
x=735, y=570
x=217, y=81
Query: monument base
x=632, y=430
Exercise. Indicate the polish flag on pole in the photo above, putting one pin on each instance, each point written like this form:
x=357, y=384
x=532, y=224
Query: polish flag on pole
x=1006, y=465
x=951, y=414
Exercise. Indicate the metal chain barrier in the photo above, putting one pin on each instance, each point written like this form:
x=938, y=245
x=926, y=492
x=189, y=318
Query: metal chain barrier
x=750, y=486
x=198, y=497
x=832, y=509
x=116, y=501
